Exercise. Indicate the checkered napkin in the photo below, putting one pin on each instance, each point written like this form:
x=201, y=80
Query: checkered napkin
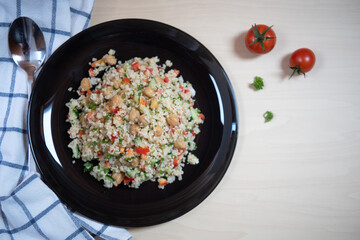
x=28, y=208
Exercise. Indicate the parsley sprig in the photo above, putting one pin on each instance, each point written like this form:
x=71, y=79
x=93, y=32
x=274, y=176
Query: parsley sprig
x=258, y=83
x=268, y=116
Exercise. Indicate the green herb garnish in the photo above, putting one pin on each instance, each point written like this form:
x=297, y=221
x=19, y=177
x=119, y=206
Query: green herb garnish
x=110, y=178
x=76, y=112
x=139, y=96
x=91, y=106
x=88, y=166
x=268, y=116
x=94, y=143
x=258, y=83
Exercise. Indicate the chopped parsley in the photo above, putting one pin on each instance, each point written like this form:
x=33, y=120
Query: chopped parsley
x=268, y=116
x=76, y=112
x=88, y=166
x=258, y=83
x=91, y=106
x=108, y=117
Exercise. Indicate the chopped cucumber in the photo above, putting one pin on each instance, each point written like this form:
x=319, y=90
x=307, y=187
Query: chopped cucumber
x=138, y=142
x=75, y=148
x=152, y=83
x=88, y=166
x=144, y=109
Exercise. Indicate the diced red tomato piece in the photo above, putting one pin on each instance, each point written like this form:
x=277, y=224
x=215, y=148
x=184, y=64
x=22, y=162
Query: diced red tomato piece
x=127, y=180
x=142, y=150
x=126, y=80
x=118, y=69
x=80, y=134
x=91, y=72
x=176, y=162
x=185, y=132
x=99, y=154
x=98, y=91
x=107, y=164
x=182, y=150
x=88, y=92
x=142, y=101
x=135, y=66
x=186, y=90
x=113, y=138
x=201, y=116
x=162, y=182
x=166, y=80
x=177, y=72
x=115, y=110
x=67, y=116
x=142, y=167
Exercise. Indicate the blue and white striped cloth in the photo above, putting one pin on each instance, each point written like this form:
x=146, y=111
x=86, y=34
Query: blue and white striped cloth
x=28, y=208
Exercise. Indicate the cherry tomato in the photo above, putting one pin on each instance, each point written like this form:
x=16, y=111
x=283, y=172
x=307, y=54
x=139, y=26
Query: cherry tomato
x=260, y=39
x=302, y=61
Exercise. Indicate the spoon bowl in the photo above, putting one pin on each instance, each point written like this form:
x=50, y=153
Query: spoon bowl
x=27, y=45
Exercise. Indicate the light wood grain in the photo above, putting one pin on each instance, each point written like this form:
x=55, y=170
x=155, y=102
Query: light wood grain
x=296, y=177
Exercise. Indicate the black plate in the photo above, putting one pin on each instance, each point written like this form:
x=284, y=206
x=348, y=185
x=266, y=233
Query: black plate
x=147, y=205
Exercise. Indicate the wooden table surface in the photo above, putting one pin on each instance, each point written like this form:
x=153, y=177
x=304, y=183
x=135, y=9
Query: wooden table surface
x=298, y=176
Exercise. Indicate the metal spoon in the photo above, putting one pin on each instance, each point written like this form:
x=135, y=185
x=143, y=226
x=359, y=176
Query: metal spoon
x=27, y=45
x=28, y=50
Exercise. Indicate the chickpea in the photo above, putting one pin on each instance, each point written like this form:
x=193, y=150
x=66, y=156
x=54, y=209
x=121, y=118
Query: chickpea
x=158, y=79
x=134, y=129
x=86, y=100
x=107, y=107
x=133, y=115
x=158, y=131
x=180, y=143
x=173, y=120
x=116, y=83
x=148, y=91
x=143, y=121
x=110, y=60
x=117, y=120
x=118, y=177
x=107, y=91
x=135, y=162
x=116, y=101
x=154, y=104
x=85, y=84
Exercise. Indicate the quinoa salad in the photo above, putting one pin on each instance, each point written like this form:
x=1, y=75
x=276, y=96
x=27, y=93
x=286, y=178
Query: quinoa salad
x=133, y=121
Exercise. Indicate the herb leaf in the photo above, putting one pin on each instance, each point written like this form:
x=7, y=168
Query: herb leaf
x=258, y=83
x=268, y=116
x=88, y=166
